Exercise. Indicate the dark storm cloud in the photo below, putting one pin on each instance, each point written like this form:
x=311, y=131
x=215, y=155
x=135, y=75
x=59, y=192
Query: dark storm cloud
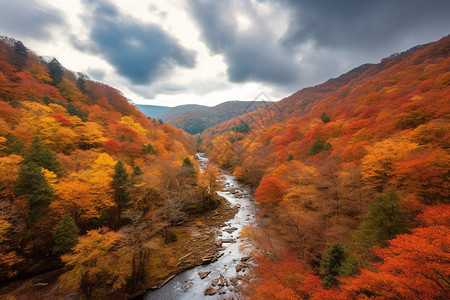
x=330, y=36
x=251, y=55
x=369, y=25
x=336, y=36
x=140, y=52
x=28, y=19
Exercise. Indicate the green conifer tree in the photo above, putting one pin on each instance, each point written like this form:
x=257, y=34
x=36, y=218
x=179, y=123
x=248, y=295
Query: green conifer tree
x=331, y=263
x=383, y=221
x=65, y=236
x=81, y=82
x=56, y=71
x=32, y=185
x=336, y=262
x=42, y=156
x=137, y=171
x=325, y=118
x=20, y=55
x=121, y=197
x=148, y=149
x=187, y=162
x=318, y=146
x=13, y=146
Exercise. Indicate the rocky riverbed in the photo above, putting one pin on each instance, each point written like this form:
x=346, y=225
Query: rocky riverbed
x=222, y=271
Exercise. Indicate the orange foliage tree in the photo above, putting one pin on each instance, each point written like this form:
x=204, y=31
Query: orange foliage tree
x=285, y=278
x=97, y=267
x=271, y=190
x=425, y=175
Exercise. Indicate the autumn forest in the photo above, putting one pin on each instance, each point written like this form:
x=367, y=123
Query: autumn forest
x=350, y=181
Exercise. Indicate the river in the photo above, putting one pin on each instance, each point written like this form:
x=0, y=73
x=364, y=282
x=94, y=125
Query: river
x=188, y=284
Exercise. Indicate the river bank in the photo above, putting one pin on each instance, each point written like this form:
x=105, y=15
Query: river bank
x=197, y=241
x=221, y=278
x=198, y=248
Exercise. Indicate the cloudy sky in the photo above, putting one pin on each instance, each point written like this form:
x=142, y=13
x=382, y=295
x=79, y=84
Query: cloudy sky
x=175, y=52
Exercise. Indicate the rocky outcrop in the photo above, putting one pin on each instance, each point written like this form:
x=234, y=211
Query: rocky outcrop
x=203, y=274
x=210, y=291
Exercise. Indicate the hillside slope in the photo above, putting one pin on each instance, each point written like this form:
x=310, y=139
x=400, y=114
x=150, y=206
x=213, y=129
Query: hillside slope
x=86, y=180
x=196, y=121
x=178, y=110
x=358, y=162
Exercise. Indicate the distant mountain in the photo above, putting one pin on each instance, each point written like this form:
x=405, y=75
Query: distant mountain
x=152, y=111
x=196, y=121
x=178, y=110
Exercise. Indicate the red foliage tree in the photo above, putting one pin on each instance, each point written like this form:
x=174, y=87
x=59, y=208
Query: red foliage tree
x=112, y=146
x=270, y=190
x=62, y=120
x=287, y=279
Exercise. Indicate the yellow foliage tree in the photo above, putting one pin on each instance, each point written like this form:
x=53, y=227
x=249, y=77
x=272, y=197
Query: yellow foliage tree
x=303, y=191
x=100, y=178
x=98, y=268
x=4, y=127
x=222, y=151
x=207, y=181
x=8, y=258
x=91, y=135
x=36, y=120
x=38, y=71
x=130, y=122
x=86, y=194
x=9, y=170
x=3, y=141
x=376, y=166
x=74, y=197
x=50, y=176
x=65, y=140
x=69, y=90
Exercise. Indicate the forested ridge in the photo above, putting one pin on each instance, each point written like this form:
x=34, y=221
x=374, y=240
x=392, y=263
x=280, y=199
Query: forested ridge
x=196, y=121
x=87, y=180
x=352, y=177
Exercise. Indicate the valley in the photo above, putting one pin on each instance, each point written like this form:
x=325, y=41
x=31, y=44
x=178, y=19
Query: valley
x=221, y=277
x=337, y=191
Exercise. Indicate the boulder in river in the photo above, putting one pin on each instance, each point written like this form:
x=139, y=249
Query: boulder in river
x=220, y=281
x=230, y=229
x=203, y=274
x=240, y=267
x=215, y=281
x=228, y=240
x=210, y=291
x=246, y=258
